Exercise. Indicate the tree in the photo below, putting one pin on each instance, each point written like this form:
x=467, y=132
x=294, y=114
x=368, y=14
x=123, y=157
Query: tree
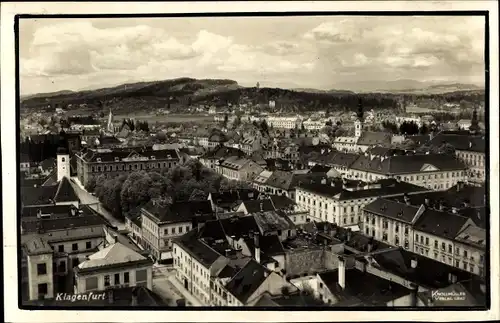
x=197, y=195
x=237, y=122
x=91, y=184
x=135, y=190
x=226, y=119
x=424, y=129
x=329, y=123
x=264, y=127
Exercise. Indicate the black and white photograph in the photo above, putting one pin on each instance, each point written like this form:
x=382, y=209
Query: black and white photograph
x=333, y=161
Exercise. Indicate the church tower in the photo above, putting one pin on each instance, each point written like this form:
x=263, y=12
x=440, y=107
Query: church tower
x=63, y=167
x=110, y=127
x=358, y=124
x=474, y=125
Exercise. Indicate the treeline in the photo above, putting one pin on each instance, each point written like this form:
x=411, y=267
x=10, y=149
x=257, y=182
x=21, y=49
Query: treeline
x=43, y=147
x=190, y=181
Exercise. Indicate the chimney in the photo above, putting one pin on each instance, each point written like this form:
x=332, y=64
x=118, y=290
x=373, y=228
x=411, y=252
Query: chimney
x=39, y=214
x=406, y=199
x=341, y=270
x=323, y=180
x=414, y=294
x=414, y=263
x=427, y=202
x=256, y=242
x=199, y=226
x=73, y=211
x=111, y=296
x=470, y=144
x=133, y=301
x=261, y=207
x=441, y=206
x=369, y=246
x=349, y=234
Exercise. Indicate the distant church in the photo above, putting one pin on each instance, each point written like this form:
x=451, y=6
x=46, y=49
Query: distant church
x=111, y=128
x=362, y=140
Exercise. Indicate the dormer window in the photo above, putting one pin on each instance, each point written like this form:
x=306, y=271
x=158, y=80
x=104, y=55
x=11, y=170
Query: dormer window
x=98, y=160
x=153, y=157
x=117, y=159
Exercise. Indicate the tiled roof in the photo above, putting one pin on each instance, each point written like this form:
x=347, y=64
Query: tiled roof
x=258, y=205
x=341, y=159
x=281, y=202
x=49, y=225
x=393, y=210
x=461, y=142
x=247, y=281
x=363, y=288
x=239, y=226
x=222, y=152
x=233, y=196
x=235, y=162
x=198, y=249
x=59, y=211
x=114, y=254
x=272, y=221
x=441, y=224
x=37, y=246
x=51, y=179
x=269, y=245
x=183, y=211
x=398, y=262
x=369, y=138
x=472, y=235
x=320, y=169
x=109, y=155
x=408, y=164
x=38, y=195
x=65, y=192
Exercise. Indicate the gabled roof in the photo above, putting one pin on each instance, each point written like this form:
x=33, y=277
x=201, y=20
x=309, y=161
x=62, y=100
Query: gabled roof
x=239, y=226
x=37, y=246
x=221, y=152
x=258, y=205
x=115, y=254
x=271, y=221
x=247, y=281
x=38, y=195
x=227, y=198
x=369, y=138
x=109, y=155
x=464, y=142
x=393, y=210
x=182, y=211
x=73, y=222
x=472, y=235
x=407, y=164
x=65, y=192
x=441, y=224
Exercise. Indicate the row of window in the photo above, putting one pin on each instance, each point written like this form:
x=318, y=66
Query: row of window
x=74, y=246
x=121, y=167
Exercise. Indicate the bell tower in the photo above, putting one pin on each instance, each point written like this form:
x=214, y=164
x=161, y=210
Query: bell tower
x=358, y=124
x=63, y=167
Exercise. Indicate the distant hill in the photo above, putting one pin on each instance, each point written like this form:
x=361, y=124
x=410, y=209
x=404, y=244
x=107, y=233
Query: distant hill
x=177, y=94
x=408, y=86
x=45, y=95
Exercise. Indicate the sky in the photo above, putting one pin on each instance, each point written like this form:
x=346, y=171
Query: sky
x=322, y=52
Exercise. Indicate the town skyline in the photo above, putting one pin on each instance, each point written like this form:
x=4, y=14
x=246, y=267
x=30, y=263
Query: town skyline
x=332, y=52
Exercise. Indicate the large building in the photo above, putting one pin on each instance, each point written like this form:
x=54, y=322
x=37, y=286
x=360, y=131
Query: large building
x=212, y=157
x=284, y=122
x=54, y=240
x=114, y=266
x=434, y=171
x=114, y=162
x=239, y=169
x=161, y=222
x=470, y=149
x=342, y=202
x=447, y=237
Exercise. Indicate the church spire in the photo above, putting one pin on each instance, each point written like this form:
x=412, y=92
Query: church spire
x=474, y=124
x=360, y=112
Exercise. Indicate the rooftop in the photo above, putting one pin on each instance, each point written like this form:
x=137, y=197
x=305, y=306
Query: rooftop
x=247, y=281
x=182, y=211
x=115, y=254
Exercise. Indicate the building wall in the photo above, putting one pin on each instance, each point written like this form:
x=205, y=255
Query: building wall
x=436, y=180
x=476, y=163
x=158, y=237
x=36, y=280
x=390, y=231
x=81, y=280
x=86, y=170
x=272, y=284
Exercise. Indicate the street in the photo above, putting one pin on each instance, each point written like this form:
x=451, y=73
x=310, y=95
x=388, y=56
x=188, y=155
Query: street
x=166, y=285
x=93, y=202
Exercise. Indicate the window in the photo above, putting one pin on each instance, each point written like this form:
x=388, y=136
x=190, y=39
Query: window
x=435, y=244
x=406, y=230
x=443, y=246
x=450, y=248
x=471, y=268
x=373, y=233
x=106, y=280
x=397, y=241
x=457, y=250
x=416, y=237
x=407, y=244
x=41, y=269
x=88, y=244
x=435, y=254
x=187, y=228
x=422, y=239
x=91, y=283
x=165, y=231
x=60, y=248
x=74, y=246
x=396, y=228
x=384, y=236
x=465, y=253
x=465, y=265
x=62, y=266
x=367, y=231
x=457, y=263
x=426, y=241
x=42, y=289
x=180, y=229
x=173, y=230
x=117, y=279
x=141, y=276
